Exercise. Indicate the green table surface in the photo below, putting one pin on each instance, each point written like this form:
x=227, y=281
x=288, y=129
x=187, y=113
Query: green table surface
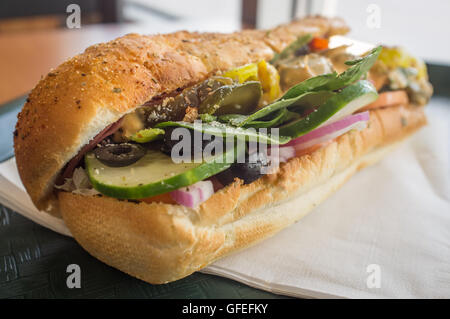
x=34, y=259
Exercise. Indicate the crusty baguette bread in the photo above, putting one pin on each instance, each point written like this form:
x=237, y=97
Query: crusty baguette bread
x=78, y=99
x=159, y=242
x=162, y=242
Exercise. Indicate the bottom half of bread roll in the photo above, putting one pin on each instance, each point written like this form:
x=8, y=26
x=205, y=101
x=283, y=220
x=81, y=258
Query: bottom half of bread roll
x=159, y=243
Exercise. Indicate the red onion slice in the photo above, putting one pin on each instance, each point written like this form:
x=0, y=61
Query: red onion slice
x=193, y=195
x=328, y=132
x=282, y=155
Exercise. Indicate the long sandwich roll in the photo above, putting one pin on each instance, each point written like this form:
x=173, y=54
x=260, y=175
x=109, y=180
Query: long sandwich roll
x=145, y=145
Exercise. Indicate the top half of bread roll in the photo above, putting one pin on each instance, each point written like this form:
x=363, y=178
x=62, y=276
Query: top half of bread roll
x=82, y=96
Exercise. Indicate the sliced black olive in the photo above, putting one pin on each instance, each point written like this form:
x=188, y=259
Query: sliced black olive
x=226, y=177
x=304, y=50
x=249, y=171
x=119, y=155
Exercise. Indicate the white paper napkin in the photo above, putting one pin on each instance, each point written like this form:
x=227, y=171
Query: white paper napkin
x=385, y=233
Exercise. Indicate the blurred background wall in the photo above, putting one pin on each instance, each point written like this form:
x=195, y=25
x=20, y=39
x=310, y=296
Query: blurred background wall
x=34, y=35
x=422, y=26
x=32, y=15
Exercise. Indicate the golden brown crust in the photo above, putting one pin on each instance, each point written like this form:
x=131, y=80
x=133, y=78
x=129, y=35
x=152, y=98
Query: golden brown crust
x=163, y=242
x=74, y=102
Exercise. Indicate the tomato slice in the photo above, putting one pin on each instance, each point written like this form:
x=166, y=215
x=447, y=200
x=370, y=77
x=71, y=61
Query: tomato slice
x=386, y=99
x=318, y=44
x=163, y=198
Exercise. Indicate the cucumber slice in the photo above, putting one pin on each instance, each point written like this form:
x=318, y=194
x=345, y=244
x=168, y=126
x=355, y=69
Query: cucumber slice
x=344, y=103
x=152, y=175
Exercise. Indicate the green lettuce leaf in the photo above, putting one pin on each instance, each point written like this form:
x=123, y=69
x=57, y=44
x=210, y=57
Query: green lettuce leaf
x=221, y=129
